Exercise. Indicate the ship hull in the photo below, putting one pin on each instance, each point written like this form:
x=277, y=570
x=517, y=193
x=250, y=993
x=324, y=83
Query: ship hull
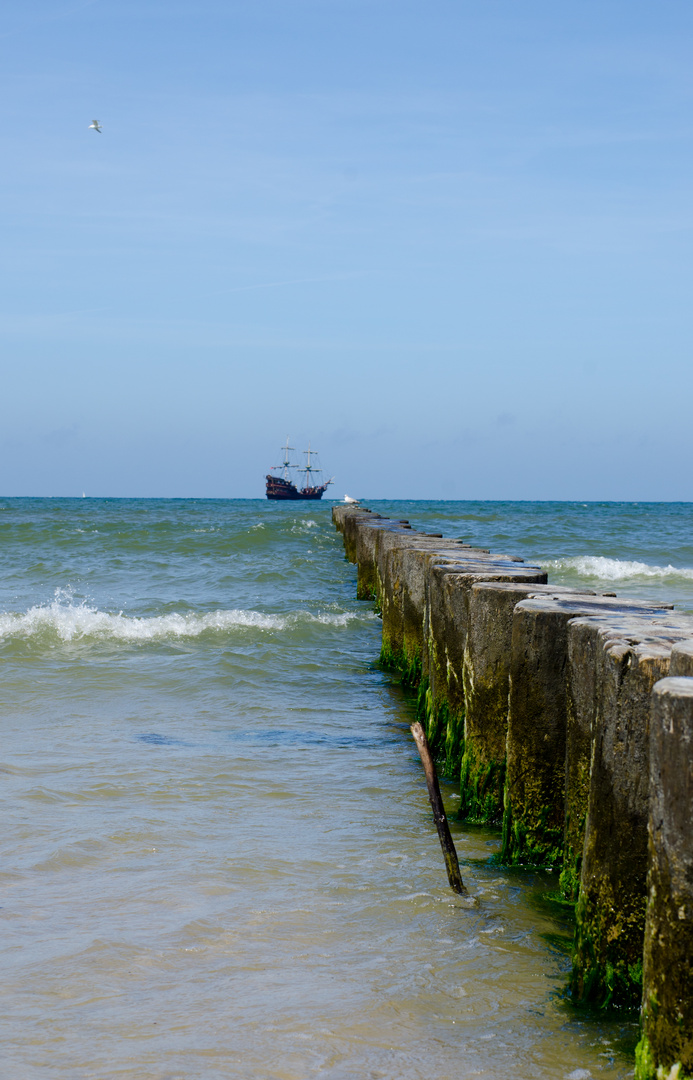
x=284, y=491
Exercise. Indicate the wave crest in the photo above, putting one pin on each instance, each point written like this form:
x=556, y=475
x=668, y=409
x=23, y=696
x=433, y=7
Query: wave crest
x=73, y=622
x=605, y=569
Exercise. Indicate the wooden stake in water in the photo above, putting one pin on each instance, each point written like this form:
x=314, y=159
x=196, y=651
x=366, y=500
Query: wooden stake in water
x=446, y=841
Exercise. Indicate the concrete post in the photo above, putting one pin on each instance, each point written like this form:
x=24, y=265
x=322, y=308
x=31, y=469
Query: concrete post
x=610, y=913
x=667, y=1012
x=448, y=624
x=486, y=676
x=402, y=570
x=534, y=812
x=682, y=659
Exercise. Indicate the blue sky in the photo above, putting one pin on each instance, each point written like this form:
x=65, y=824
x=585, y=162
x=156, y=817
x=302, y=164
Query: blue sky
x=449, y=242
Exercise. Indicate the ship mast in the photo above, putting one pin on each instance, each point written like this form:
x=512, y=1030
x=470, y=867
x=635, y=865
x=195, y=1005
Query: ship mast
x=287, y=464
x=308, y=467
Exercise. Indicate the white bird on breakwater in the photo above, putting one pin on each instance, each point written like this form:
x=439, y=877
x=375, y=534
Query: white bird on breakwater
x=95, y=126
x=348, y=499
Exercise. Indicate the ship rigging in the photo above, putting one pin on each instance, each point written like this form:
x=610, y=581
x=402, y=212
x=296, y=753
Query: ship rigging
x=287, y=483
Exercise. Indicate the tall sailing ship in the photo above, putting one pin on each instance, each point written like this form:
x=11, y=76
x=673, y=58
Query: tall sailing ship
x=285, y=485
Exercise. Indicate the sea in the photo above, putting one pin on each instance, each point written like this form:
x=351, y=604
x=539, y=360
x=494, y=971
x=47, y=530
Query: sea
x=218, y=857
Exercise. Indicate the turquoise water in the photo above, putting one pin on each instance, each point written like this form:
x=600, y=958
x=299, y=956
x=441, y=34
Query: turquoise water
x=218, y=857
x=636, y=549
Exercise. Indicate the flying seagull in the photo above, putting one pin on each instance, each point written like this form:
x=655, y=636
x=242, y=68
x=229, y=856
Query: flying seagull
x=96, y=126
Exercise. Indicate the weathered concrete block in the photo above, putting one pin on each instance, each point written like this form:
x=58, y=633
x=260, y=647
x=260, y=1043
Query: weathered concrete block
x=534, y=812
x=667, y=1013
x=362, y=534
x=350, y=521
x=610, y=914
x=447, y=624
x=682, y=659
x=577, y=674
x=586, y=641
x=587, y=638
x=401, y=563
x=486, y=678
x=365, y=545
x=338, y=517
x=582, y=680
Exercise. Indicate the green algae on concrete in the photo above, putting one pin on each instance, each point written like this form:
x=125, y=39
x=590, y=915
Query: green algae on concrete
x=667, y=1010
x=450, y=621
x=534, y=814
x=581, y=705
x=402, y=566
x=535, y=778
x=444, y=731
x=487, y=663
x=401, y=576
x=367, y=543
x=360, y=531
x=588, y=665
x=610, y=914
x=481, y=788
x=607, y=958
x=608, y=970
x=407, y=667
x=647, y=1069
x=405, y=573
x=423, y=585
x=444, y=628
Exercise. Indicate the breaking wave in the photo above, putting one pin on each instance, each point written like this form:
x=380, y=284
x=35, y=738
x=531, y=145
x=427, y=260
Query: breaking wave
x=74, y=622
x=604, y=569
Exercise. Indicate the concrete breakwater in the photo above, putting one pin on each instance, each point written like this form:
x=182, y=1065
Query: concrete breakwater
x=568, y=717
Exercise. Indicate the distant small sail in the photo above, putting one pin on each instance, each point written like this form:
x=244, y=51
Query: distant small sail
x=95, y=126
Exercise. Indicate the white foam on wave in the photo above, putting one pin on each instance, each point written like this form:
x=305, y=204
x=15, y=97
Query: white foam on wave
x=605, y=569
x=304, y=526
x=73, y=622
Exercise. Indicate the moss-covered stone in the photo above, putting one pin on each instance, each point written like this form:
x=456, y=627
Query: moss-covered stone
x=449, y=623
x=481, y=788
x=537, y=723
x=533, y=839
x=454, y=740
x=534, y=810
x=445, y=732
x=433, y=724
x=486, y=675
x=647, y=1069
x=610, y=914
x=581, y=704
x=607, y=958
x=407, y=667
x=367, y=584
x=569, y=878
x=667, y=1013
x=401, y=566
x=423, y=586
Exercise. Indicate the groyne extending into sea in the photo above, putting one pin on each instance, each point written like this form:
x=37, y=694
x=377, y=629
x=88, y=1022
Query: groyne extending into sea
x=568, y=716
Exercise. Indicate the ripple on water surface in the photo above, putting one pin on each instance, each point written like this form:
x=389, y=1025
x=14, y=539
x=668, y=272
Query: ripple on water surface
x=218, y=855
